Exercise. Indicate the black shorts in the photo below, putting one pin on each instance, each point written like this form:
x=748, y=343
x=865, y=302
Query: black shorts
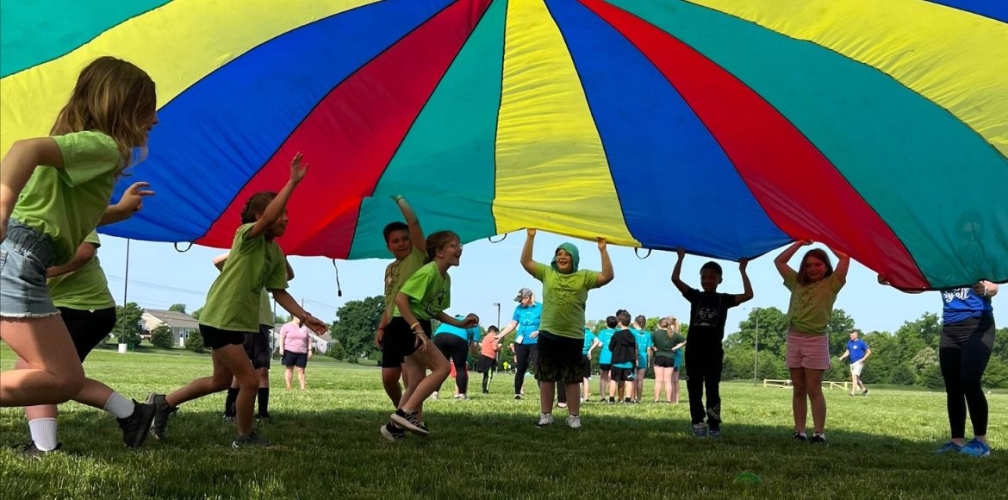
x=88, y=328
x=621, y=374
x=257, y=347
x=663, y=362
x=290, y=359
x=586, y=366
x=559, y=359
x=486, y=364
x=399, y=341
x=215, y=338
x=604, y=368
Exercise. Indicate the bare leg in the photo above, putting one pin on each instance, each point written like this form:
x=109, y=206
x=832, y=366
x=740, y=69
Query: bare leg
x=54, y=373
x=799, y=407
x=813, y=385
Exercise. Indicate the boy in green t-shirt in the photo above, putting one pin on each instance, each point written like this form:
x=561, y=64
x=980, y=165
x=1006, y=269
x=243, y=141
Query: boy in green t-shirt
x=561, y=328
x=405, y=241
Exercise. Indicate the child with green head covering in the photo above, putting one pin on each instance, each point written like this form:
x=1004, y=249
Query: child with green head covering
x=561, y=330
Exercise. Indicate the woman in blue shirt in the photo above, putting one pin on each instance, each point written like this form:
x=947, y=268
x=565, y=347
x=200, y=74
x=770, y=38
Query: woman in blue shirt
x=967, y=340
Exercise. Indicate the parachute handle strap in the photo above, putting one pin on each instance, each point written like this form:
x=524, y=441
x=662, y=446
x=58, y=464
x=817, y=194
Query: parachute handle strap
x=491, y=240
x=339, y=291
x=636, y=252
x=179, y=250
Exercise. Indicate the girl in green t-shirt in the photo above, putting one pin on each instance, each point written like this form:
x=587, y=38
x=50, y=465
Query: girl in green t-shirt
x=423, y=297
x=54, y=191
x=813, y=289
x=231, y=312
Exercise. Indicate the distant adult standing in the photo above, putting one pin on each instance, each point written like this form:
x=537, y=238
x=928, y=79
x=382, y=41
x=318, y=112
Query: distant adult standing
x=858, y=351
x=525, y=324
x=295, y=351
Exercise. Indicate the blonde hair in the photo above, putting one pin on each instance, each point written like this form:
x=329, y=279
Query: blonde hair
x=114, y=97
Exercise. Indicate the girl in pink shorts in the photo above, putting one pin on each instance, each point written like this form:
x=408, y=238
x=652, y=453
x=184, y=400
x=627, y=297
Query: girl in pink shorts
x=814, y=289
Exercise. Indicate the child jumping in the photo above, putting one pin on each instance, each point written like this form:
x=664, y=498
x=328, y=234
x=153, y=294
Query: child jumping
x=561, y=330
x=231, y=312
x=814, y=289
x=54, y=191
x=704, y=353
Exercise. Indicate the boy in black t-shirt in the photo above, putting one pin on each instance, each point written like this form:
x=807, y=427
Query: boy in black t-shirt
x=704, y=354
x=624, y=357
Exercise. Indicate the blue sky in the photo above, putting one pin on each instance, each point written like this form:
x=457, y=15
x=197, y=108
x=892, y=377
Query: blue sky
x=489, y=272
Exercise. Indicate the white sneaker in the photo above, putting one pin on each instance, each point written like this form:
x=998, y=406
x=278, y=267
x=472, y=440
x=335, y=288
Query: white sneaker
x=545, y=419
x=574, y=421
x=434, y=395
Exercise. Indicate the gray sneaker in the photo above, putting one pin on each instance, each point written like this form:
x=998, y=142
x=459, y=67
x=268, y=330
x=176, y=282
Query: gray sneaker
x=251, y=440
x=29, y=450
x=700, y=430
x=162, y=412
x=410, y=422
x=136, y=426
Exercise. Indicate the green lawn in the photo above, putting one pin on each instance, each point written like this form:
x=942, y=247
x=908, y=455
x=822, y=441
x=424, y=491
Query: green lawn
x=327, y=446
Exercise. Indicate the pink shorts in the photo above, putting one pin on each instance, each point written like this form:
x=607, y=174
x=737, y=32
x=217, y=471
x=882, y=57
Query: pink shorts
x=807, y=351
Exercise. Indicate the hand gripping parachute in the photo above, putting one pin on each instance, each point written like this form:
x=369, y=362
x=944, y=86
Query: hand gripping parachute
x=725, y=127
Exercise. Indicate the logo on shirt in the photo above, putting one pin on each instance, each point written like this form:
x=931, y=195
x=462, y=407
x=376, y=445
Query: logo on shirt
x=707, y=316
x=957, y=293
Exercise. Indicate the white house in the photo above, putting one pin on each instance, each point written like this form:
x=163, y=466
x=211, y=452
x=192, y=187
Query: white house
x=181, y=324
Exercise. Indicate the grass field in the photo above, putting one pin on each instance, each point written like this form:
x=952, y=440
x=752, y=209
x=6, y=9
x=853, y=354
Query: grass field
x=326, y=445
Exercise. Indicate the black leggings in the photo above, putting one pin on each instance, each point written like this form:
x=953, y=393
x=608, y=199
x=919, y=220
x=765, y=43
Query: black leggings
x=963, y=353
x=703, y=367
x=456, y=349
x=526, y=354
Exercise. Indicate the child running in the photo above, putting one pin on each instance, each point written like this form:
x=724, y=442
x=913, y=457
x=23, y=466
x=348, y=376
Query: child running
x=814, y=289
x=80, y=291
x=54, y=191
x=561, y=329
x=232, y=307
x=423, y=297
x=704, y=353
x=405, y=241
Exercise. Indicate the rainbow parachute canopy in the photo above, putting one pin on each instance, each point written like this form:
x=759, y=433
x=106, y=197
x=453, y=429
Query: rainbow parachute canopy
x=723, y=126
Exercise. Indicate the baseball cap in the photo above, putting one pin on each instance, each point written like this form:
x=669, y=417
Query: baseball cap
x=524, y=292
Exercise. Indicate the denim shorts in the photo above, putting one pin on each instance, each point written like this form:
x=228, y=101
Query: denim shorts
x=24, y=257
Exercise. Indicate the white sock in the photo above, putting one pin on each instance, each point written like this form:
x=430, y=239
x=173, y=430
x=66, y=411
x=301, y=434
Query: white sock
x=43, y=433
x=119, y=406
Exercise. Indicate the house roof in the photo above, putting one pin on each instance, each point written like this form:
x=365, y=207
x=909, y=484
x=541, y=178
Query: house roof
x=173, y=319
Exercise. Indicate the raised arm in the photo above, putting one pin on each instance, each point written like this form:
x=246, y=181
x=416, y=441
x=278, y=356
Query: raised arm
x=607, y=274
x=526, y=256
x=415, y=232
x=85, y=252
x=278, y=206
x=782, y=260
x=747, y=293
x=677, y=272
x=843, y=265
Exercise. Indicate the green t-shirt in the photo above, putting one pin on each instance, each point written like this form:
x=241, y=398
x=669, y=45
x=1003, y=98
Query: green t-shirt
x=265, y=313
x=85, y=289
x=429, y=292
x=234, y=300
x=811, y=305
x=663, y=343
x=396, y=274
x=67, y=203
x=564, y=298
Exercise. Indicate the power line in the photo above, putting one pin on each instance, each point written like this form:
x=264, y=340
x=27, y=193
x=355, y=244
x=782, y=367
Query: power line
x=156, y=286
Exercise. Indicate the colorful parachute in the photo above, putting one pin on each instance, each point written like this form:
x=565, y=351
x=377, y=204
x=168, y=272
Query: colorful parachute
x=723, y=126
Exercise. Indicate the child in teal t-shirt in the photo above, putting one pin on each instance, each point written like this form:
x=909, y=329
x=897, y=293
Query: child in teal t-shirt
x=644, y=345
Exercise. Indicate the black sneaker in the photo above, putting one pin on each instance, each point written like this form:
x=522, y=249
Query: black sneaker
x=865, y=393
x=410, y=422
x=136, y=426
x=228, y=417
x=251, y=440
x=392, y=433
x=518, y=396
x=162, y=411
x=818, y=439
x=263, y=418
x=29, y=450
x=797, y=436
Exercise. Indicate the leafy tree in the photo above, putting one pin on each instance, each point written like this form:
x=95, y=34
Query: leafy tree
x=129, y=324
x=1001, y=344
x=177, y=308
x=336, y=351
x=772, y=331
x=903, y=374
x=931, y=377
x=194, y=342
x=196, y=314
x=280, y=318
x=996, y=375
x=839, y=329
x=884, y=357
x=924, y=359
x=162, y=337
x=355, y=328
